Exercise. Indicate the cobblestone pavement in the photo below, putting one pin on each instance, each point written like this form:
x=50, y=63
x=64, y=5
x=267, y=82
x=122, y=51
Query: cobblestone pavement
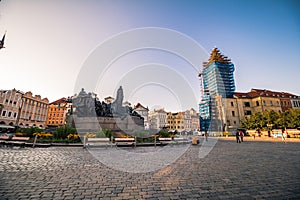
x=250, y=170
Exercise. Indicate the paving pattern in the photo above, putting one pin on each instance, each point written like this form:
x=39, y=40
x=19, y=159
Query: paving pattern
x=250, y=170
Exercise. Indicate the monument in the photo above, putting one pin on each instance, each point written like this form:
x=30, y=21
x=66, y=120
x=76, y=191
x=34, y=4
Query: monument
x=92, y=115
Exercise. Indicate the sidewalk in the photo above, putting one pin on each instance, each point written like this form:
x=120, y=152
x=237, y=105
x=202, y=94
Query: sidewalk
x=262, y=139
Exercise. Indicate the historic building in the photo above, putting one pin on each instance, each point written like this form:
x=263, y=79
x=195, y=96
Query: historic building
x=175, y=121
x=33, y=111
x=217, y=79
x=194, y=123
x=57, y=112
x=232, y=110
x=10, y=106
x=183, y=121
x=144, y=112
x=158, y=119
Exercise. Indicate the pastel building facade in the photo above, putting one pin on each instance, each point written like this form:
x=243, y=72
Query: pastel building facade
x=33, y=111
x=10, y=106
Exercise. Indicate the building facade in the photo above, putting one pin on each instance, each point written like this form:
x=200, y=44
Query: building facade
x=10, y=106
x=33, y=111
x=217, y=79
x=158, y=119
x=232, y=110
x=144, y=112
x=57, y=112
x=175, y=121
x=183, y=121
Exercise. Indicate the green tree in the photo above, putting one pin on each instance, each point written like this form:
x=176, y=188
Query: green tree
x=288, y=119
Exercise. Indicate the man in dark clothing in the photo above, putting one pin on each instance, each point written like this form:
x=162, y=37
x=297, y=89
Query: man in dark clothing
x=237, y=135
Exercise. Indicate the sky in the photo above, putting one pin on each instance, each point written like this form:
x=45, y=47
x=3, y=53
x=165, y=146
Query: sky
x=49, y=45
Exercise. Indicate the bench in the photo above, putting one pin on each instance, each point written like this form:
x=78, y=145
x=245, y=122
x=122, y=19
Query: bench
x=12, y=141
x=165, y=140
x=180, y=140
x=96, y=142
x=125, y=142
x=3, y=140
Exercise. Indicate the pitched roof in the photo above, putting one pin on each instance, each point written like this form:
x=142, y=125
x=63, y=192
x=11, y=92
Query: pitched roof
x=59, y=101
x=264, y=93
x=141, y=106
x=216, y=56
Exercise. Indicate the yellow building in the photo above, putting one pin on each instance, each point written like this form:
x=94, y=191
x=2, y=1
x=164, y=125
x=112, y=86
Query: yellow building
x=232, y=110
x=175, y=121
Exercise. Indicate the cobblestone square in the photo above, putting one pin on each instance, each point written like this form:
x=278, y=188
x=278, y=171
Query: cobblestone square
x=251, y=170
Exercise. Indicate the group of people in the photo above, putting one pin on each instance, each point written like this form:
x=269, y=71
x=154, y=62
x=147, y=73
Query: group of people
x=239, y=136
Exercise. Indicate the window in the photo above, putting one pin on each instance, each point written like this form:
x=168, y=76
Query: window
x=264, y=102
x=15, y=115
x=3, y=113
x=9, y=114
x=228, y=122
x=257, y=103
x=233, y=113
x=271, y=103
x=231, y=104
x=246, y=104
x=247, y=112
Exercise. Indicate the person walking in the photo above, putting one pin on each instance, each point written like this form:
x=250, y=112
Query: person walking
x=284, y=135
x=242, y=136
x=206, y=135
x=237, y=135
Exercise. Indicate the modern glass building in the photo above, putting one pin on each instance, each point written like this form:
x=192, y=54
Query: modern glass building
x=217, y=79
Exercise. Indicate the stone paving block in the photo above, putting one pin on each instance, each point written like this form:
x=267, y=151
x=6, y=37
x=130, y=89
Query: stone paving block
x=262, y=170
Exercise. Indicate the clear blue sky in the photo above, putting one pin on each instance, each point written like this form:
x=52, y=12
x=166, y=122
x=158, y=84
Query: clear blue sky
x=48, y=41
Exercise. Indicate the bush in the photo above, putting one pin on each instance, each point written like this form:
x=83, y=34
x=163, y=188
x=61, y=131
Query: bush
x=28, y=132
x=62, y=132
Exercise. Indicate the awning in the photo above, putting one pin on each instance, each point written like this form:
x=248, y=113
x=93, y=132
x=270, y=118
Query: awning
x=6, y=126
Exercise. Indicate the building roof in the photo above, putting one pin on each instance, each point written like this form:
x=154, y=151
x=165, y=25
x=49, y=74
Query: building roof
x=138, y=105
x=264, y=93
x=59, y=101
x=216, y=56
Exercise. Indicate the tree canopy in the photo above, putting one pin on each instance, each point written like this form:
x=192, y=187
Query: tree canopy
x=271, y=119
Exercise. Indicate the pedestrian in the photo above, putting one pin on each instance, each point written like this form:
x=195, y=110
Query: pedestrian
x=206, y=135
x=242, y=136
x=283, y=135
x=237, y=135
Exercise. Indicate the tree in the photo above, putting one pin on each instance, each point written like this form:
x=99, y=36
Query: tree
x=288, y=119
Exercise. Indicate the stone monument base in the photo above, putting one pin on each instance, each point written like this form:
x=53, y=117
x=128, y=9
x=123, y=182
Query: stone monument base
x=117, y=125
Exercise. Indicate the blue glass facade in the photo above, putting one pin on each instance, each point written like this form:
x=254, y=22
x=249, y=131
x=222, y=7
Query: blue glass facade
x=218, y=79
